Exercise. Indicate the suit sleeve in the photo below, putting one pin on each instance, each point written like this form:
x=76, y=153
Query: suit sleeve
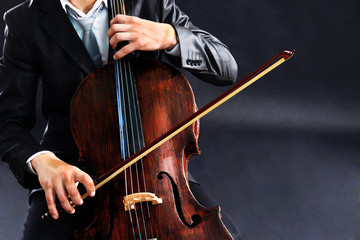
x=18, y=86
x=201, y=53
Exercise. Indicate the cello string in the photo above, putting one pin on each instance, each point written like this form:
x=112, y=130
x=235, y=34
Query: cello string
x=139, y=134
x=121, y=10
x=132, y=137
x=137, y=126
x=118, y=69
x=130, y=133
x=141, y=144
x=122, y=143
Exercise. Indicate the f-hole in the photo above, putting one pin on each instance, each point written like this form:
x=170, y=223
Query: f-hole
x=195, y=218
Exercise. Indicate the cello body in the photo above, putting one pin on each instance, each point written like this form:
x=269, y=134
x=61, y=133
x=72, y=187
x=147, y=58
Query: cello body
x=165, y=98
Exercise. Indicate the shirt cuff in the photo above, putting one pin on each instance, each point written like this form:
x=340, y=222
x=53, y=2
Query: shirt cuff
x=29, y=167
x=175, y=51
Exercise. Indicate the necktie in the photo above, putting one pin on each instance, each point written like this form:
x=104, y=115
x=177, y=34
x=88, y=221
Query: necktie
x=83, y=25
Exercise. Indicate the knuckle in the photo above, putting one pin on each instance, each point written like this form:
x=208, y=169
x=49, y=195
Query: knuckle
x=125, y=50
x=117, y=37
x=112, y=41
x=67, y=173
x=110, y=32
x=140, y=42
x=72, y=191
x=121, y=18
x=65, y=176
x=85, y=179
x=122, y=51
x=134, y=19
x=47, y=184
x=118, y=17
x=74, y=168
x=63, y=199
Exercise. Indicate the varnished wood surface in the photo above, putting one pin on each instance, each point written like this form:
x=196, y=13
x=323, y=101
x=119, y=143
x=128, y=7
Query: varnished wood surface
x=165, y=99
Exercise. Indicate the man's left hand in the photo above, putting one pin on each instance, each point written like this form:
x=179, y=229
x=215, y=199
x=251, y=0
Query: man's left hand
x=140, y=34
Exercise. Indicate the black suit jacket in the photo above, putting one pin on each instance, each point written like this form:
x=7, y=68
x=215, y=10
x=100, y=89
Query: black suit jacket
x=40, y=43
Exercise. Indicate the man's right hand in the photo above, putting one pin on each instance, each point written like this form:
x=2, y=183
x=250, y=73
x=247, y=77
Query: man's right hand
x=60, y=179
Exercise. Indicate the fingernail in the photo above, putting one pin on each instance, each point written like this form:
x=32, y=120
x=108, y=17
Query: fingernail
x=73, y=211
x=81, y=202
x=92, y=194
x=54, y=216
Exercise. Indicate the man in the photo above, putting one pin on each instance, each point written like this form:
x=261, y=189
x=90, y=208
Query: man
x=44, y=39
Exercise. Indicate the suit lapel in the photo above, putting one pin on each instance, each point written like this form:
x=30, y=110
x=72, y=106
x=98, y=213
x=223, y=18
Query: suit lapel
x=60, y=29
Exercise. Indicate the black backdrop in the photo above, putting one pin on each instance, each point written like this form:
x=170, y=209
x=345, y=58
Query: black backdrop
x=283, y=156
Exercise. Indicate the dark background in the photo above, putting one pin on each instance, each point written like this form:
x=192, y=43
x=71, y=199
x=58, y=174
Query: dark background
x=282, y=157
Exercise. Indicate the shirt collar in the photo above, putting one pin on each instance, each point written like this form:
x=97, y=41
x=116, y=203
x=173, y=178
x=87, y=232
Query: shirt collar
x=65, y=3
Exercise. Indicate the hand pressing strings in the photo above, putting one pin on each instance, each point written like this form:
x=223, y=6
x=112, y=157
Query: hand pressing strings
x=140, y=34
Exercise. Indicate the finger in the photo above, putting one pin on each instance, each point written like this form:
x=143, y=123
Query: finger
x=122, y=19
x=63, y=199
x=77, y=185
x=119, y=28
x=87, y=181
x=129, y=48
x=73, y=193
x=120, y=37
x=50, y=201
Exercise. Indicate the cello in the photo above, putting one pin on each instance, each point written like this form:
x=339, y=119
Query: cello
x=114, y=122
x=114, y=117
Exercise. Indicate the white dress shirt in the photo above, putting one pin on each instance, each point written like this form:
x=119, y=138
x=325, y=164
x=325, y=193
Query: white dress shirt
x=100, y=26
